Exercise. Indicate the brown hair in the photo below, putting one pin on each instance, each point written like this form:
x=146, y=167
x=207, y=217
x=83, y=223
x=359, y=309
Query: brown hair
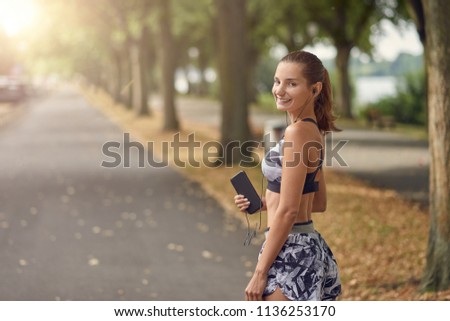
x=314, y=71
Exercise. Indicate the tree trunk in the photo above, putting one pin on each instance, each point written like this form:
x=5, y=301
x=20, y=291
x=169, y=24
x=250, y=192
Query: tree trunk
x=344, y=89
x=127, y=88
x=135, y=76
x=250, y=72
x=124, y=80
x=202, y=64
x=437, y=272
x=110, y=71
x=143, y=71
x=415, y=9
x=233, y=81
x=151, y=64
x=138, y=55
x=168, y=66
x=118, y=79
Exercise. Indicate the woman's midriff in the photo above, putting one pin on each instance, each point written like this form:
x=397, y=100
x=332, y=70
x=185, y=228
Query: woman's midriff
x=273, y=200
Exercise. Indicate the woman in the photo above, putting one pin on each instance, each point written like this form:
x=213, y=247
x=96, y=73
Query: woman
x=295, y=263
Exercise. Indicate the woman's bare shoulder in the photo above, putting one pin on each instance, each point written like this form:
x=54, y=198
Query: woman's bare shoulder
x=302, y=132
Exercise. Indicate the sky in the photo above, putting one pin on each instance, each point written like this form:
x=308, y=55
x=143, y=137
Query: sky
x=403, y=40
x=387, y=46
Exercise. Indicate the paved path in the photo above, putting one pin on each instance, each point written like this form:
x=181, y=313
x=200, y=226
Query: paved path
x=382, y=158
x=73, y=230
x=386, y=160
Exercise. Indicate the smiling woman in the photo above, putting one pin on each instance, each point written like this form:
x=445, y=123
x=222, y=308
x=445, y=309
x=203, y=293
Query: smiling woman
x=16, y=15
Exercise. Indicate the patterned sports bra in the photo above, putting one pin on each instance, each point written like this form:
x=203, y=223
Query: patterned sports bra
x=272, y=164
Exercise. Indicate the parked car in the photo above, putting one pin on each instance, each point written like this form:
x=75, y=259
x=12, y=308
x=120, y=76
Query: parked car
x=11, y=89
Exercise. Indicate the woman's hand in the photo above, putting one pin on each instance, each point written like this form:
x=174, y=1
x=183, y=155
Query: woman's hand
x=243, y=203
x=255, y=287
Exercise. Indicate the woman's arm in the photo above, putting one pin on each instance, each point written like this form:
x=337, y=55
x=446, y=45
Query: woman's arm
x=294, y=170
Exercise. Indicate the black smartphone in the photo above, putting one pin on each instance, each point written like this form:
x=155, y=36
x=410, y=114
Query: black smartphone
x=243, y=186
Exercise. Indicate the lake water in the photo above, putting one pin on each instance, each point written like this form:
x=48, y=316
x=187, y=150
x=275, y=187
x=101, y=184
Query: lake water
x=371, y=89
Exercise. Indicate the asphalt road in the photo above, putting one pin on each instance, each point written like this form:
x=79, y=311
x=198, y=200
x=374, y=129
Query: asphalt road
x=384, y=159
x=71, y=229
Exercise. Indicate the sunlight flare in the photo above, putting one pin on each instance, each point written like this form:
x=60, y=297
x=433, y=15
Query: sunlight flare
x=17, y=15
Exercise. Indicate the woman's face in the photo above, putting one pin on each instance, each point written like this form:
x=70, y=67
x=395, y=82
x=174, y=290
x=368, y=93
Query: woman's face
x=290, y=88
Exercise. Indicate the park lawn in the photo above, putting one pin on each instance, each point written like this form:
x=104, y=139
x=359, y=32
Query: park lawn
x=378, y=239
